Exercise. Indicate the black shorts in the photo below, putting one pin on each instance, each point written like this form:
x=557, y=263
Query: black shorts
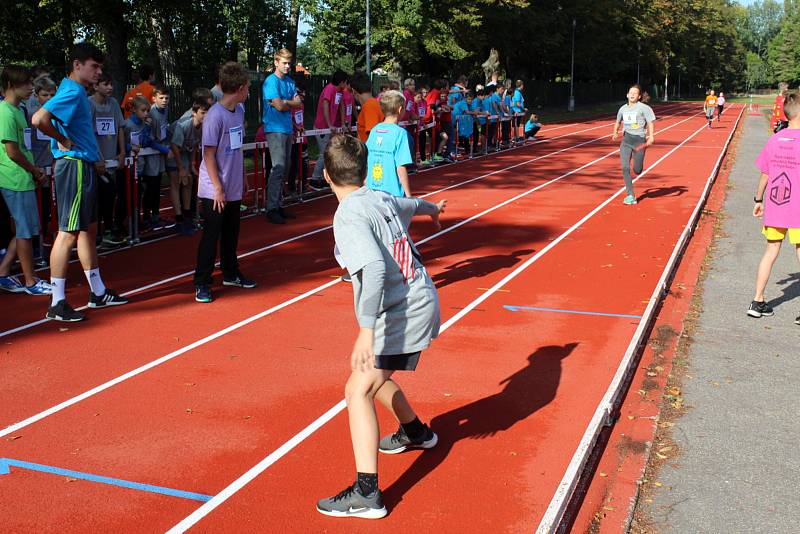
x=397, y=362
x=76, y=194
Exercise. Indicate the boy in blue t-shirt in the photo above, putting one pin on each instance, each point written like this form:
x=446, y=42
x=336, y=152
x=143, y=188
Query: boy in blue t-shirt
x=532, y=127
x=480, y=114
x=67, y=119
x=388, y=149
x=518, y=107
x=462, y=115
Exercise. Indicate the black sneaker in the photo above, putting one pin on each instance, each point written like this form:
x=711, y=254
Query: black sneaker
x=275, y=218
x=239, y=281
x=759, y=309
x=350, y=503
x=203, y=294
x=63, y=312
x=110, y=298
x=797, y=320
x=399, y=441
x=286, y=214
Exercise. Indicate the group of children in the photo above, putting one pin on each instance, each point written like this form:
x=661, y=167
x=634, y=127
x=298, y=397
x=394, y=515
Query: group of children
x=76, y=133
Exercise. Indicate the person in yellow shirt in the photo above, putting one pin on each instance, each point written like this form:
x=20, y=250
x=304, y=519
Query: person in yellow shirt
x=709, y=106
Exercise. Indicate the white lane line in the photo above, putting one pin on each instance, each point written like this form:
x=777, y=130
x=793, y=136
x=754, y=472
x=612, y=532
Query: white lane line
x=139, y=370
x=321, y=229
x=284, y=449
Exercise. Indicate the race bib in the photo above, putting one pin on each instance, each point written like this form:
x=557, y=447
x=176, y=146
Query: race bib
x=629, y=119
x=27, y=135
x=136, y=138
x=298, y=117
x=163, y=132
x=237, y=137
x=105, y=126
x=41, y=136
x=348, y=110
x=337, y=98
x=420, y=111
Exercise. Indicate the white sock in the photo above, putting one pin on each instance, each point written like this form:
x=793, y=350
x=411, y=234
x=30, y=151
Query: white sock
x=95, y=282
x=59, y=289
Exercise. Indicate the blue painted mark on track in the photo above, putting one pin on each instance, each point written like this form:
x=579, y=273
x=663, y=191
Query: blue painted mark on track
x=578, y=312
x=6, y=463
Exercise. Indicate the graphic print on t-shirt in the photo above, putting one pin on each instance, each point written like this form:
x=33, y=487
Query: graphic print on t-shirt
x=780, y=191
x=629, y=119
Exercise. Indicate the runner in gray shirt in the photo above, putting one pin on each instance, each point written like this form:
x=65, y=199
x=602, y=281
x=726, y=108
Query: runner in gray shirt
x=398, y=314
x=637, y=120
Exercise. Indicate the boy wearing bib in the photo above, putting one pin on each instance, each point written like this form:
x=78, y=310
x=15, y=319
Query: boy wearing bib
x=709, y=106
x=635, y=118
x=221, y=184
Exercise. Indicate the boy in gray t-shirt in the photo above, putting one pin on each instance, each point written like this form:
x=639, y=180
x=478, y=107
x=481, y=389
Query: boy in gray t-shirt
x=398, y=314
x=635, y=117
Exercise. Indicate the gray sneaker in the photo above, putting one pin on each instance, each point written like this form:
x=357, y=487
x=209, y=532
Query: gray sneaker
x=399, y=441
x=350, y=503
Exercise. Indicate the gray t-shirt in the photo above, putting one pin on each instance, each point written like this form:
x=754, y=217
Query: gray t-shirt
x=372, y=226
x=216, y=93
x=40, y=143
x=187, y=137
x=107, y=120
x=635, y=118
x=159, y=129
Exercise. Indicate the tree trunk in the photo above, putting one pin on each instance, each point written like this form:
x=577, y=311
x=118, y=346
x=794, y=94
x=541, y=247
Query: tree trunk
x=291, y=31
x=67, y=35
x=165, y=47
x=110, y=18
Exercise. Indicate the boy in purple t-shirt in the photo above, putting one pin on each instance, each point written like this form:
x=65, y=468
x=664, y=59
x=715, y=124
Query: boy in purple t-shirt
x=221, y=182
x=777, y=199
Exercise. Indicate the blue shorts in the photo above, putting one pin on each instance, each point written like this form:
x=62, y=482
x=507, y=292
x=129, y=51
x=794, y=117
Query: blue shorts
x=24, y=210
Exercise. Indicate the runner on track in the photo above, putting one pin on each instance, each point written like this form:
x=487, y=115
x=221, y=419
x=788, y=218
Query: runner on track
x=634, y=117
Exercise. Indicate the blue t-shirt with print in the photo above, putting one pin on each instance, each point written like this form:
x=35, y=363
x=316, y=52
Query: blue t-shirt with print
x=387, y=149
x=73, y=119
x=463, y=120
x=477, y=105
x=489, y=107
x=518, y=102
x=274, y=87
x=454, y=98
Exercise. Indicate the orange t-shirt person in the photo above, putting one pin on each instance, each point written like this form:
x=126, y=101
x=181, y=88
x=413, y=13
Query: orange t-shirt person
x=711, y=101
x=370, y=116
x=777, y=110
x=145, y=89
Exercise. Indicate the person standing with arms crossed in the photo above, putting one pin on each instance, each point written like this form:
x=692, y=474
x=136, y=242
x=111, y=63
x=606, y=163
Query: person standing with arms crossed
x=634, y=117
x=67, y=119
x=280, y=98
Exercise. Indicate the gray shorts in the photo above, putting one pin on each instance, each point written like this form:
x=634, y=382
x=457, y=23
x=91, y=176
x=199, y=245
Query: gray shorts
x=24, y=210
x=397, y=362
x=76, y=194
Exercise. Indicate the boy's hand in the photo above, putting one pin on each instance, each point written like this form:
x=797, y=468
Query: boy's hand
x=121, y=160
x=758, y=210
x=219, y=199
x=363, y=356
x=135, y=149
x=100, y=166
x=66, y=146
x=650, y=140
x=614, y=136
x=435, y=217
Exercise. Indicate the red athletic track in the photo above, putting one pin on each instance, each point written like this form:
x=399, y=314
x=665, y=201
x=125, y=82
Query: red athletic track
x=509, y=393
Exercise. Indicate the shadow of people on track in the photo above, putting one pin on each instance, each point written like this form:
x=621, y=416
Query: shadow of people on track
x=477, y=267
x=657, y=192
x=525, y=392
x=790, y=291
